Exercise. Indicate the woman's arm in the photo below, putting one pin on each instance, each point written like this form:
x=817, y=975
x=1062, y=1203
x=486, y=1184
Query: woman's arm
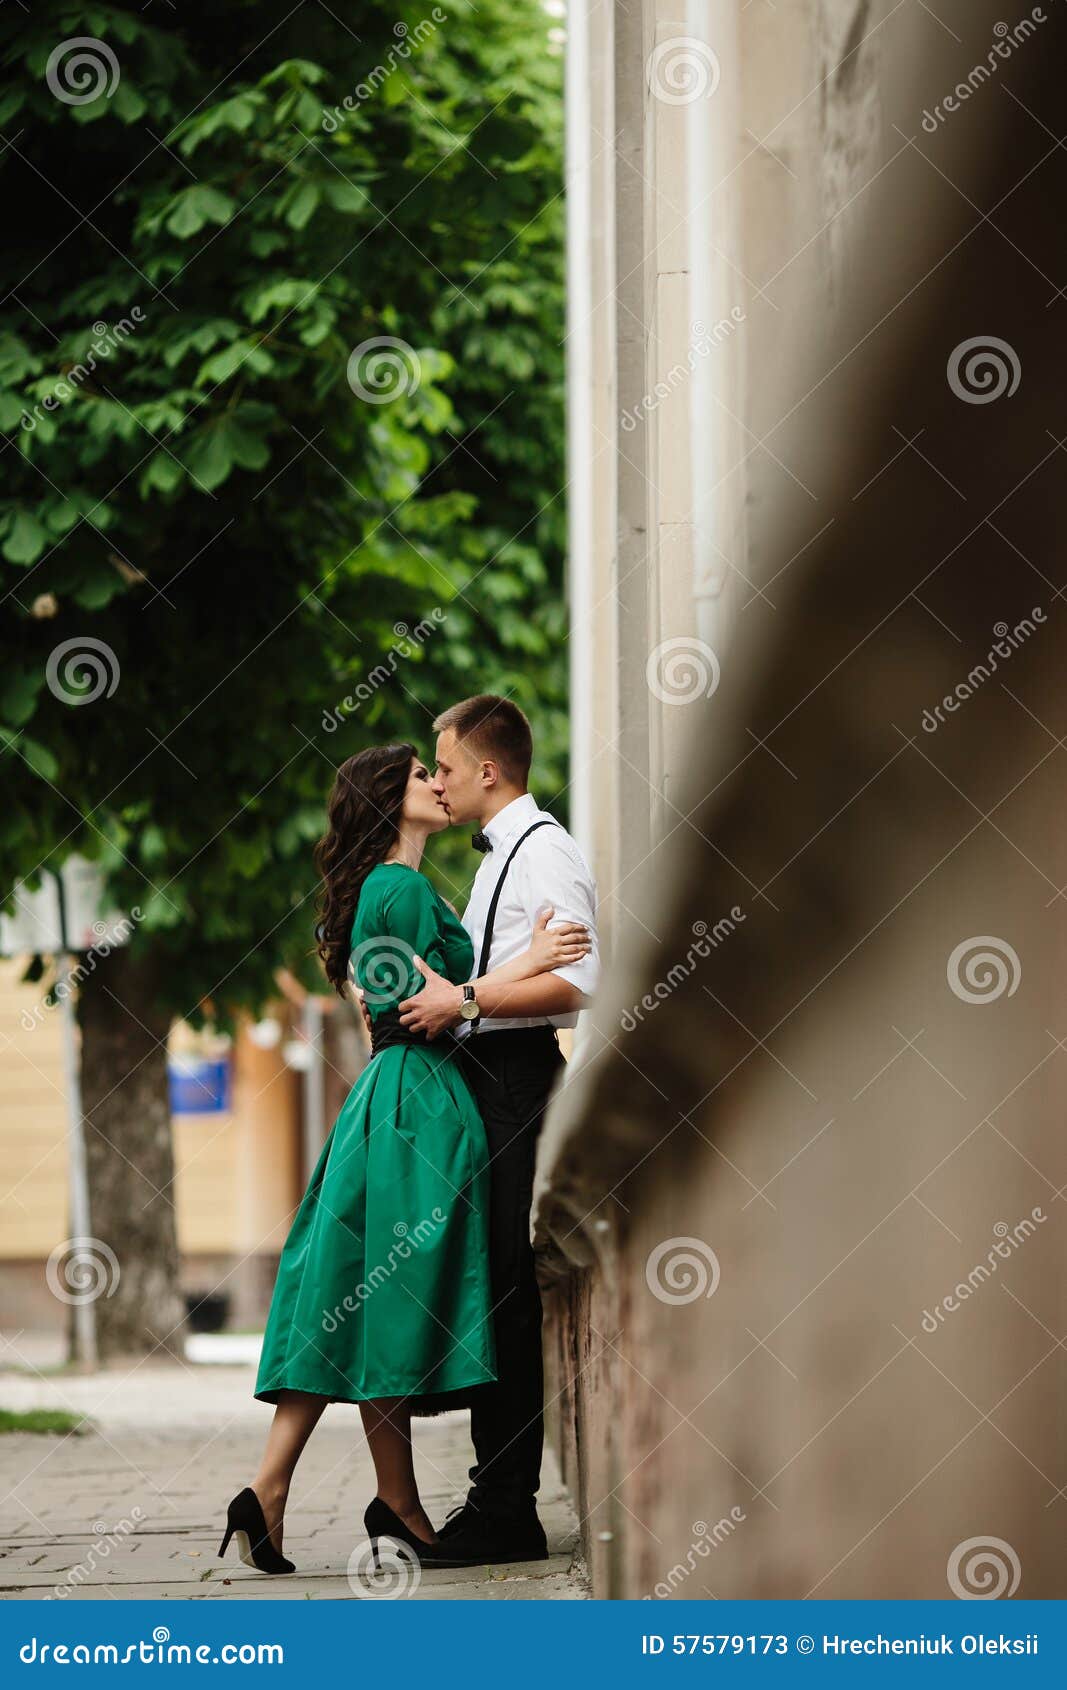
x=546, y=952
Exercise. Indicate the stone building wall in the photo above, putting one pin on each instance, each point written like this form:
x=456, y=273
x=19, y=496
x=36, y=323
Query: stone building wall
x=821, y=1087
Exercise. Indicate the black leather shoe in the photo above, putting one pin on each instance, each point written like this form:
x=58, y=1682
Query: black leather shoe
x=481, y=1542
x=458, y=1520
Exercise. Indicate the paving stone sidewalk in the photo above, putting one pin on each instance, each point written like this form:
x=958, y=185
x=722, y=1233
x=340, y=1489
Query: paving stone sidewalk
x=176, y=1442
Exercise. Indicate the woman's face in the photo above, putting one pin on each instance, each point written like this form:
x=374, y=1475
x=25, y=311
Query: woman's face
x=422, y=807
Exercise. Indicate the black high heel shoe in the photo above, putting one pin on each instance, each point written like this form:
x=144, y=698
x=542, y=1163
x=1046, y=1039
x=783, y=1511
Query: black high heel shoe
x=380, y=1521
x=244, y=1517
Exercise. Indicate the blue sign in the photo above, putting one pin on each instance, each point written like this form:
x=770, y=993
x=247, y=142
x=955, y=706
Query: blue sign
x=199, y=1086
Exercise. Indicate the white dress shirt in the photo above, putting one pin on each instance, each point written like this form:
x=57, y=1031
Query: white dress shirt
x=548, y=869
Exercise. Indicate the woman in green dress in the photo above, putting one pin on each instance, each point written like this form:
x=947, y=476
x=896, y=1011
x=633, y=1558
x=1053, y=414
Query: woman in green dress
x=383, y=1295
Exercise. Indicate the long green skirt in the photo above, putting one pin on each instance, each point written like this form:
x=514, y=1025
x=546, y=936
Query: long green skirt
x=383, y=1285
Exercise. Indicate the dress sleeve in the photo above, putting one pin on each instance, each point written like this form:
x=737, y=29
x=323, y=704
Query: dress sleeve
x=412, y=926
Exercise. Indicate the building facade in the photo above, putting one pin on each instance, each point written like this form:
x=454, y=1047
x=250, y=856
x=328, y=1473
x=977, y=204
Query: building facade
x=240, y=1170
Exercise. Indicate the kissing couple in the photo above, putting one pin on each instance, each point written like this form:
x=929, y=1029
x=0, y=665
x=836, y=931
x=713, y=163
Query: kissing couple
x=406, y=1283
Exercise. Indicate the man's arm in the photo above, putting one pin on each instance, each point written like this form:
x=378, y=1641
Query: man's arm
x=545, y=994
x=546, y=876
x=436, y=1007
x=555, y=873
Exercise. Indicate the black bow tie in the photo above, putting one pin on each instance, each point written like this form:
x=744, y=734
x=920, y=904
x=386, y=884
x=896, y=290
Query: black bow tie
x=481, y=841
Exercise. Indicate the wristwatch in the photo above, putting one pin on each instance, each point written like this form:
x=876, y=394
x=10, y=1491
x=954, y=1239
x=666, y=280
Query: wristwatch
x=469, y=1009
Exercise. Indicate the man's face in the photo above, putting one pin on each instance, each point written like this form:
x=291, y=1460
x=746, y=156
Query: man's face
x=458, y=779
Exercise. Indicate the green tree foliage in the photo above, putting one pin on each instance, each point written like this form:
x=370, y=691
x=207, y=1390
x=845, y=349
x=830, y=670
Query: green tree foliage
x=200, y=476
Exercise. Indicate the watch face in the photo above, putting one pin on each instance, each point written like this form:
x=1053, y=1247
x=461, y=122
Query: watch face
x=469, y=1010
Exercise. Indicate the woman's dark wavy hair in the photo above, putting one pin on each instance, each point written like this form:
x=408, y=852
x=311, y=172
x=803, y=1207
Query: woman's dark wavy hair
x=363, y=822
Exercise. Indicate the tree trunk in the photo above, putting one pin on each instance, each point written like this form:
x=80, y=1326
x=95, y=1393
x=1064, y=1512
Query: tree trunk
x=130, y=1158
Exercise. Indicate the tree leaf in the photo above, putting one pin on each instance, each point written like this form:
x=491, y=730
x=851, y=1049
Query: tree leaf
x=39, y=758
x=302, y=205
x=194, y=207
x=26, y=538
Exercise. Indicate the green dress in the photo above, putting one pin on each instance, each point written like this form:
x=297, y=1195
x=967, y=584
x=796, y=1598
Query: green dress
x=383, y=1285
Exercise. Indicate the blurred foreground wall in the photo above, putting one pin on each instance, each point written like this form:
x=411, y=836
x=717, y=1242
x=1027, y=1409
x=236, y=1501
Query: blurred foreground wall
x=800, y=1201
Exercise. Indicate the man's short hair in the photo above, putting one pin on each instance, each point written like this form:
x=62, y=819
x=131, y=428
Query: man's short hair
x=495, y=728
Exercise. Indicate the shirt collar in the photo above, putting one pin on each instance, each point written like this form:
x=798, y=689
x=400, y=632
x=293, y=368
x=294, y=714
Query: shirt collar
x=508, y=820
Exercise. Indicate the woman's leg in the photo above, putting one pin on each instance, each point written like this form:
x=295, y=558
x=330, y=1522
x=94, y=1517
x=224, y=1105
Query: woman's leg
x=296, y=1414
x=387, y=1423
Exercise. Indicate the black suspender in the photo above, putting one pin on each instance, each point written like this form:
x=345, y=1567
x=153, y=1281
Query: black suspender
x=490, y=919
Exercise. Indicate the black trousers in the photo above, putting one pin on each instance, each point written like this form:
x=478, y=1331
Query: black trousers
x=511, y=1073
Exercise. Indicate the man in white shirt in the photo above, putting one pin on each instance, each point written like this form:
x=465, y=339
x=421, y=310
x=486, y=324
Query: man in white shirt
x=512, y=1059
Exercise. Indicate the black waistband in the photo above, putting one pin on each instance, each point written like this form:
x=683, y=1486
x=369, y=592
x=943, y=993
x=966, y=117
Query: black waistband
x=388, y=1029
x=505, y=1041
